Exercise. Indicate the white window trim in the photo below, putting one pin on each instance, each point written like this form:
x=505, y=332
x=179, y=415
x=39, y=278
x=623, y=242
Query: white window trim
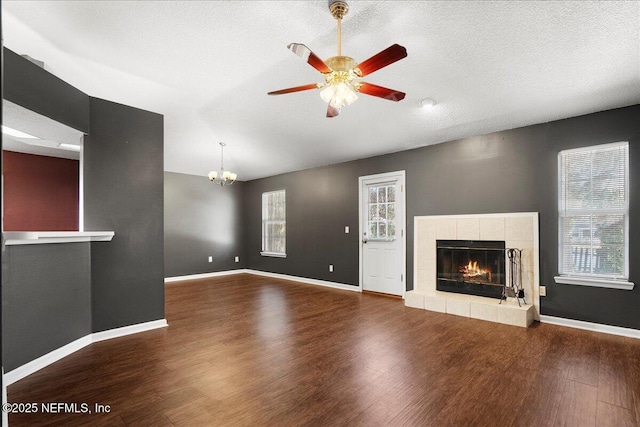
x=596, y=282
x=274, y=254
x=269, y=253
x=591, y=280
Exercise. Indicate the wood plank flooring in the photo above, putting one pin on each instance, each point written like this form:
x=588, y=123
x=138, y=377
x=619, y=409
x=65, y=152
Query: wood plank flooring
x=245, y=350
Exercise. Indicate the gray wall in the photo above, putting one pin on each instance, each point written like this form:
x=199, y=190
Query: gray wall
x=28, y=85
x=46, y=299
x=508, y=171
x=320, y=203
x=46, y=293
x=123, y=190
x=201, y=220
x=56, y=293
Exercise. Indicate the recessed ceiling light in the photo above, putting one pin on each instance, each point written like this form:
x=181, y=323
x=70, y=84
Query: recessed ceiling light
x=427, y=103
x=17, y=133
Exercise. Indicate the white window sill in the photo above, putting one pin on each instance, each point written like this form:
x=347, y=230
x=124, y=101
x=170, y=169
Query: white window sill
x=599, y=283
x=274, y=254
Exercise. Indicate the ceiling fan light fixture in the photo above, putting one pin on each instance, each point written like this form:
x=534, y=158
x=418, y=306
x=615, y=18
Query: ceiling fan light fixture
x=339, y=95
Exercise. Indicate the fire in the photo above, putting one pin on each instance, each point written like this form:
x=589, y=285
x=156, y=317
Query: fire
x=472, y=271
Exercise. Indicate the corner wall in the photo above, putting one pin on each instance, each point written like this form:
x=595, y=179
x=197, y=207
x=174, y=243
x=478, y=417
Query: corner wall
x=123, y=192
x=201, y=220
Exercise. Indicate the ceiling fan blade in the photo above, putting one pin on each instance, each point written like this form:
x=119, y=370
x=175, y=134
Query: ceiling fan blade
x=294, y=89
x=381, y=92
x=312, y=59
x=382, y=59
x=332, y=111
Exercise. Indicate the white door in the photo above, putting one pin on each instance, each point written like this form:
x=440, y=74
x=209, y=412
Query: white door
x=382, y=225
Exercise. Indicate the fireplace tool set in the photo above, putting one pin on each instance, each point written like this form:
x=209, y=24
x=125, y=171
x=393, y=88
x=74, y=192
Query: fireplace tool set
x=514, y=288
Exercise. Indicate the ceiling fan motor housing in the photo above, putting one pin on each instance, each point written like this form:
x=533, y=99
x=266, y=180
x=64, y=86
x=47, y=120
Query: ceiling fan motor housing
x=341, y=63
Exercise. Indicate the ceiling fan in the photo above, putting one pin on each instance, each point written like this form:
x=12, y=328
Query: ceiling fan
x=341, y=73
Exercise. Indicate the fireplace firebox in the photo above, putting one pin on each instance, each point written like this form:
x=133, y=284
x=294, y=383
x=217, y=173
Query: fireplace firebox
x=473, y=267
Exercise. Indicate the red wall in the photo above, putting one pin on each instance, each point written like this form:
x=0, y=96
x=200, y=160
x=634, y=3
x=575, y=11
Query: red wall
x=40, y=193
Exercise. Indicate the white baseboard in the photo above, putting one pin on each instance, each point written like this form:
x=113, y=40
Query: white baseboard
x=588, y=326
x=128, y=330
x=46, y=360
x=59, y=353
x=306, y=280
x=205, y=275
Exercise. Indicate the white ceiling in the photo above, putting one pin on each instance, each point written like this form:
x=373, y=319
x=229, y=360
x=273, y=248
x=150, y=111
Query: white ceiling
x=207, y=67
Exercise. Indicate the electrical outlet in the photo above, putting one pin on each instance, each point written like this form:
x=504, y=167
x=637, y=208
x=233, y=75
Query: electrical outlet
x=330, y=268
x=237, y=259
x=346, y=229
x=210, y=259
x=543, y=291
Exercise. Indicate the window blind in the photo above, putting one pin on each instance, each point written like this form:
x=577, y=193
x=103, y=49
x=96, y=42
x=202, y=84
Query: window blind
x=593, y=211
x=274, y=222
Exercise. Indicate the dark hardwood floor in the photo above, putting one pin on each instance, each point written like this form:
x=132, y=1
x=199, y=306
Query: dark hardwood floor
x=247, y=350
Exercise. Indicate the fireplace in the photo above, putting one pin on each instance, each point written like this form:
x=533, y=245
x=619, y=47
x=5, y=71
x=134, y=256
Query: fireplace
x=473, y=267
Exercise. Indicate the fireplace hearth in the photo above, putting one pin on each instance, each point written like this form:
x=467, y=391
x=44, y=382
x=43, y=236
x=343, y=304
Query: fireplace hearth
x=472, y=267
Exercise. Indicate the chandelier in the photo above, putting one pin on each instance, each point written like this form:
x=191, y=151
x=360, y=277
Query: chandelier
x=224, y=177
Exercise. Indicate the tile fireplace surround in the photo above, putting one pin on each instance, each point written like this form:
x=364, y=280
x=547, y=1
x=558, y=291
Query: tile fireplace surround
x=518, y=230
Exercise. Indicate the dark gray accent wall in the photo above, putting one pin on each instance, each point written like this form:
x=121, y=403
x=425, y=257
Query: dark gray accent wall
x=34, y=88
x=46, y=299
x=320, y=203
x=201, y=220
x=509, y=171
x=123, y=192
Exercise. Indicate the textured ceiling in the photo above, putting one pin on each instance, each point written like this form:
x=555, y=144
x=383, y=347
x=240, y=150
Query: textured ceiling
x=207, y=67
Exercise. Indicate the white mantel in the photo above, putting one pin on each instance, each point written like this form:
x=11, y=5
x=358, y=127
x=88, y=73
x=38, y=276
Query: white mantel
x=518, y=230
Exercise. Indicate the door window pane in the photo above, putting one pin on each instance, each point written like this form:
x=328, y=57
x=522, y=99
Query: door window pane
x=381, y=211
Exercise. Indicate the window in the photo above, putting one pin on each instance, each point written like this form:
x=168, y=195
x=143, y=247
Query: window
x=593, y=201
x=381, y=218
x=274, y=223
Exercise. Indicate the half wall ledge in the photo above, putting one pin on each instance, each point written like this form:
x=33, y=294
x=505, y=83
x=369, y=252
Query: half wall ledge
x=42, y=237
